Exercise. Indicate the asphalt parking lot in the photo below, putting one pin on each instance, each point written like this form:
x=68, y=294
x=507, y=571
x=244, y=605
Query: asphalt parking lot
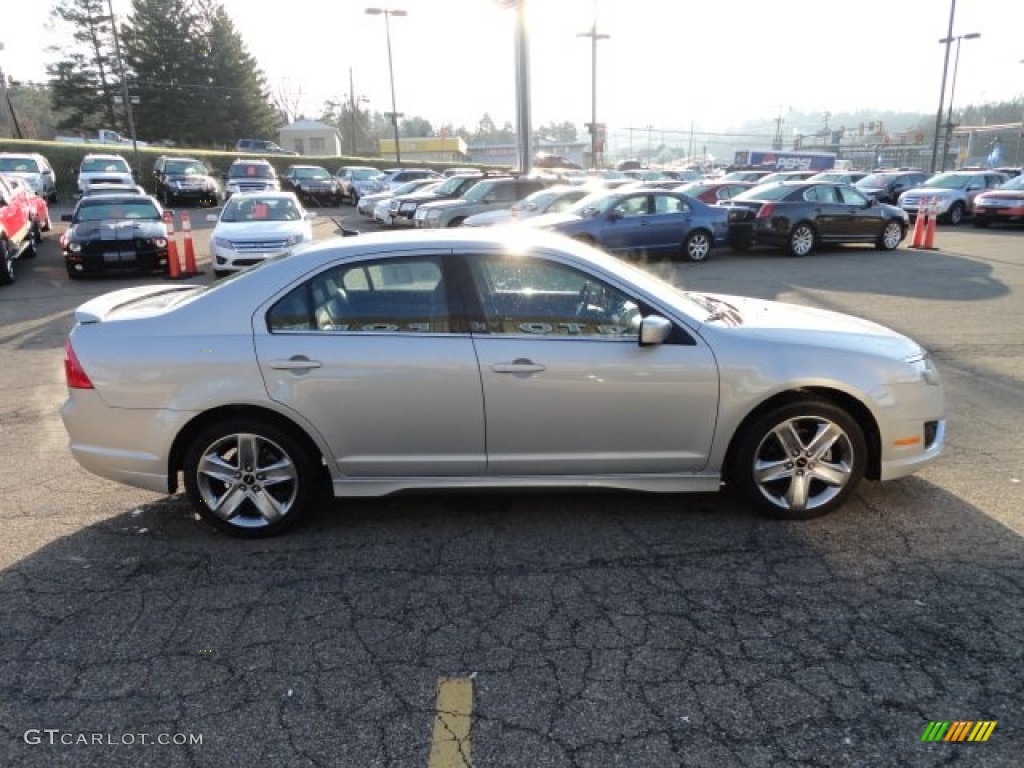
x=548, y=630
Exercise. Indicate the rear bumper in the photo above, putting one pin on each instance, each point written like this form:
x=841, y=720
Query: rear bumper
x=127, y=445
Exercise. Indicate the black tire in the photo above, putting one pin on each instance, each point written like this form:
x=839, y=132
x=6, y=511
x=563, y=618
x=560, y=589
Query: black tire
x=697, y=245
x=37, y=232
x=73, y=274
x=955, y=215
x=52, y=198
x=30, y=250
x=802, y=240
x=354, y=197
x=741, y=244
x=774, y=475
x=232, y=453
x=6, y=262
x=981, y=223
x=47, y=225
x=892, y=235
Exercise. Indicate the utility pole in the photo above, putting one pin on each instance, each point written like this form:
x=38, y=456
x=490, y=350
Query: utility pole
x=124, y=88
x=594, y=36
x=948, y=39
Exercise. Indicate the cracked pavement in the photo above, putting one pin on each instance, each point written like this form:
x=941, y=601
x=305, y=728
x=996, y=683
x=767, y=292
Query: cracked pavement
x=600, y=630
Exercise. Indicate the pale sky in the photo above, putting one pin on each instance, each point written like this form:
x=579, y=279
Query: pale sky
x=667, y=63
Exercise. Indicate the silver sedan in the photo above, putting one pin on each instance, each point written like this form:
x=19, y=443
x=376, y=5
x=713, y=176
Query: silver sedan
x=487, y=358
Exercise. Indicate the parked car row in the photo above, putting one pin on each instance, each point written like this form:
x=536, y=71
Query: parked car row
x=24, y=216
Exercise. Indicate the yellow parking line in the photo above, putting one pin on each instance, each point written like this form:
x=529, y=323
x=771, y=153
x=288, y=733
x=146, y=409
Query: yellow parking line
x=449, y=747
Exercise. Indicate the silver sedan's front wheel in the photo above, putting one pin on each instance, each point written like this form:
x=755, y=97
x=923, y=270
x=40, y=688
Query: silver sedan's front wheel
x=801, y=460
x=248, y=479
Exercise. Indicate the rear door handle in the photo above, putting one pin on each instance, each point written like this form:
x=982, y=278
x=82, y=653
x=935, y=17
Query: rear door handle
x=518, y=366
x=294, y=363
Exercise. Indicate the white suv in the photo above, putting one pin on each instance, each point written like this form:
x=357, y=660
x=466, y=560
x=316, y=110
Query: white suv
x=97, y=170
x=251, y=176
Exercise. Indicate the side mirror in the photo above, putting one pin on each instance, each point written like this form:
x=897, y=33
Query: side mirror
x=66, y=217
x=654, y=330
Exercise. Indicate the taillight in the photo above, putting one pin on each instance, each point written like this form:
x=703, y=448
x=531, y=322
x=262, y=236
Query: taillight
x=766, y=210
x=73, y=371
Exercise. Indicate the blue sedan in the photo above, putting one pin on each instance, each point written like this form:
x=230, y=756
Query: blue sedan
x=642, y=221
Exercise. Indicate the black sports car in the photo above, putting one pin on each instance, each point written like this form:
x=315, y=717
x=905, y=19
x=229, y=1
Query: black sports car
x=799, y=215
x=115, y=232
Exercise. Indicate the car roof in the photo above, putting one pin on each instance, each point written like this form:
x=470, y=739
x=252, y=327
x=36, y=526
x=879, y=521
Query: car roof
x=245, y=195
x=120, y=197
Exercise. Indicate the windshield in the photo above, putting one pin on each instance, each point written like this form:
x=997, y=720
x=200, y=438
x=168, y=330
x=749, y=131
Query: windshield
x=250, y=171
x=253, y=208
x=18, y=165
x=103, y=209
x=593, y=204
x=1017, y=182
x=451, y=186
x=104, y=165
x=948, y=181
x=412, y=186
x=773, y=191
x=873, y=180
x=186, y=168
x=364, y=174
x=312, y=173
x=479, y=191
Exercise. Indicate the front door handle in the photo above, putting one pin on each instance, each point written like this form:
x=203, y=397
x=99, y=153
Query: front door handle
x=518, y=366
x=294, y=363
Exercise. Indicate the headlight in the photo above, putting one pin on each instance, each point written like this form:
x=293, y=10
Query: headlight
x=408, y=207
x=223, y=242
x=434, y=214
x=925, y=366
x=74, y=247
x=160, y=242
x=294, y=239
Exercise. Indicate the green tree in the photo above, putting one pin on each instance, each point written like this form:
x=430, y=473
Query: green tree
x=356, y=136
x=83, y=83
x=415, y=127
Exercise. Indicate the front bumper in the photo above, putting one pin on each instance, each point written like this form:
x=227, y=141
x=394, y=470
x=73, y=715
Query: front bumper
x=116, y=256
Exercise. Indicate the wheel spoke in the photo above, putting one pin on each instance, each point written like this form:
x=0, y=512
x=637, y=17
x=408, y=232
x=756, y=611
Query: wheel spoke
x=798, y=493
x=248, y=452
x=270, y=509
x=833, y=474
x=823, y=440
x=226, y=507
x=214, y=466
x=282, y=471
x=789, y=439
x=770, y=471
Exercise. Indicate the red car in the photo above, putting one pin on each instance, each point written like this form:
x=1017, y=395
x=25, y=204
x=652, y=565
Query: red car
x=35, y=206
x=17, y=228
x=1004, y=203
x=711, y=192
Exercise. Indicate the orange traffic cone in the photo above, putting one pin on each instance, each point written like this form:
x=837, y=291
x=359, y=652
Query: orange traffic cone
x=929, y=227
x=190, y=254
x=173, y=265
x=918, y=239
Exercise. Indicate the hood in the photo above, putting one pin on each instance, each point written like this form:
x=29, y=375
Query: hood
x=251, y=230
x=932, y=192
x=440, y=204
x=490, y=218
x=1002, y=194
x=554, y=220
x=795, y=324
x=116, y=229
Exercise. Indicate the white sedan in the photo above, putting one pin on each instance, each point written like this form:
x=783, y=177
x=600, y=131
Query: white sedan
x=255, y=226
x=488, y=358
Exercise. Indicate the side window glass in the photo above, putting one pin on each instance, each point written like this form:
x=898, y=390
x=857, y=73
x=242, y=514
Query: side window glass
x=668, y=204
x=526, y=296
x=632, y=206
x=392, y=296
x=292, y=313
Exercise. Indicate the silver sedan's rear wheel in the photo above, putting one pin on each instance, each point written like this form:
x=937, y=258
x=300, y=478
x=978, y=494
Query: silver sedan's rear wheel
x=802, y=239
x=891, y=236
x=801, y=460
x=248, y=479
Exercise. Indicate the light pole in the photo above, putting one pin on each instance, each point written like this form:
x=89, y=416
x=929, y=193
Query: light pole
x=942, y=93
x=388, y=13
x=952, y=92
x=124, y=88
x=594, y=36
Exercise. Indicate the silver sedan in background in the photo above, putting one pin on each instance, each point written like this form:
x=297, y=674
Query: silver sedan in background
x=495, y=358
